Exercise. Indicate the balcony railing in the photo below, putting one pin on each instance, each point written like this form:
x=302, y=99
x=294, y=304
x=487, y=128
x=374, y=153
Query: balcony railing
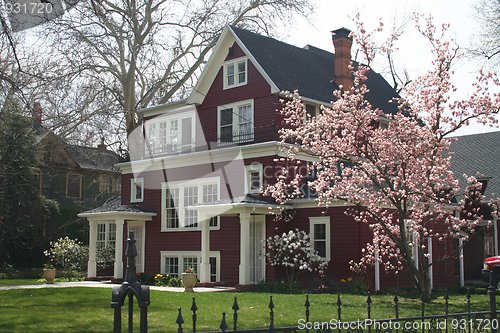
x=213, y=141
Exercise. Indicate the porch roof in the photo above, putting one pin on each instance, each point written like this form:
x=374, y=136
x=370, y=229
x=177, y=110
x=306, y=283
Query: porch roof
x=230, y=205
x=114, y=207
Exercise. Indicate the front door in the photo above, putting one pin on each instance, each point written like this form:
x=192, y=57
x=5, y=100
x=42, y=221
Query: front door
x=257, y=248
x=139, y=245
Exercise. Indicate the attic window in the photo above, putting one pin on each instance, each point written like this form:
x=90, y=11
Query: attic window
x=235, y=73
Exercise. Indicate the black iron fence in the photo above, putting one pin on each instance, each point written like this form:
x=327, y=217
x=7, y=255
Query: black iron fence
x=456, y=322
x=462, y=322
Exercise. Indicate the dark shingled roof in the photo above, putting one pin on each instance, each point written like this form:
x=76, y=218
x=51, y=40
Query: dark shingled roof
x=309, y=69
x=478, y=155
x=93, y=158
x=115, y=205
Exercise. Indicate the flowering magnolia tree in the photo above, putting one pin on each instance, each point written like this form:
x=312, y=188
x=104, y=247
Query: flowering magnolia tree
x=294, y=252
x=397, y=178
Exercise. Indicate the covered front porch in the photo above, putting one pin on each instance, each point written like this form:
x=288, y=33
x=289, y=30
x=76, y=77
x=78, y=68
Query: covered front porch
x=107, y=225
x=251, y=213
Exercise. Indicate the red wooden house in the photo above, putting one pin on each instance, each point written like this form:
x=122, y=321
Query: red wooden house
x=192, y=194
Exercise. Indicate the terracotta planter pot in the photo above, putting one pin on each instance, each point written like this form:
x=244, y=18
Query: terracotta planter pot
x=49, y=274
x=189, y=281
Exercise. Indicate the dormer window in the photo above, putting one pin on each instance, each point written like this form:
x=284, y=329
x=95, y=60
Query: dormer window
x=235, y=73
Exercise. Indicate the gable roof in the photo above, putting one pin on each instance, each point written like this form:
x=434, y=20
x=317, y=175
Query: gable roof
x=478, y=155
x=93, y=158
x=309, y=70
x=84, y=157
x=285, y=67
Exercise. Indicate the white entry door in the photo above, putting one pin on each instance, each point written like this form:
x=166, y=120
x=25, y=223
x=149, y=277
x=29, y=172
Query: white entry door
x=257, y=248
x=139, y=245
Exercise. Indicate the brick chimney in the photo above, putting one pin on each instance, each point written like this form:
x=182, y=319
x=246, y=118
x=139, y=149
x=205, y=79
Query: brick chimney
x=102, y=145
x=37, y=113
x=342, y=43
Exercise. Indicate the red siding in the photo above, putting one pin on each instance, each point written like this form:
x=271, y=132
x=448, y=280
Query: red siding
x=265, y=104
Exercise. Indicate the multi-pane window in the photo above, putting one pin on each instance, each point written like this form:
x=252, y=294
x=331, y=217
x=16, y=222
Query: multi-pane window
x=235, y=73
x=319, y=229
x=171, y=265
x=213, y=269
x=117, y=185
x=170, y=134
x=175, y=263
x=211, y=194
x=226, y=125
x=104, y=184
x=253, y=178
x=137, y=190
x=191, y=198
x=236, y=123
x=74, y=186
x=179, y=197
x=171, y=198
x=106, y=235
x=190, y=262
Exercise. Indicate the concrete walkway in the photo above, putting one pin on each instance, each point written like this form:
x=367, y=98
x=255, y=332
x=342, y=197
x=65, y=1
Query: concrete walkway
x=108, y=284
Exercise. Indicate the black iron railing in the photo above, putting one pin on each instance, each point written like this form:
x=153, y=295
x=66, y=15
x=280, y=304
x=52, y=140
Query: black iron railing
x=214, y=141
x=467, y=321
x=462, y=322
x=130, y=288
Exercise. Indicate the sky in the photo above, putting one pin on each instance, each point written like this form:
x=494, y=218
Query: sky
x=333, y=14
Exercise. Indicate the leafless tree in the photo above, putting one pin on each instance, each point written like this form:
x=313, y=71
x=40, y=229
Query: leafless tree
x=123, y=55
x=487, y=46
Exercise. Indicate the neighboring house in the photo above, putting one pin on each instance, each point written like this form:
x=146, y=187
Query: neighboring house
x=77, y=177
x=478, y=155
x=191, y=194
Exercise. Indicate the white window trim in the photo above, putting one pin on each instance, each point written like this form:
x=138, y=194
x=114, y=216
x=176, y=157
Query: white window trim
x=321, y=220
x=181, y=185
x=183, y=254
x=179, y=117
x=107, y=233
x=250, y=168
x=233, y=63
x=133, y=182
x=235, y=116
x=316, y=110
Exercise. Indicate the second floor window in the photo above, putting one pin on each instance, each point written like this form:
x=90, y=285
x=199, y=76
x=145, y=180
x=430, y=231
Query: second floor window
x=235, y=122
x=235, y=73
x=170, y=134
x=177, y=197
x=74, y=186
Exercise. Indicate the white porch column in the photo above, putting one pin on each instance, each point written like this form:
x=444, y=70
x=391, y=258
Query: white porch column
x=429, y=252
x=91, y=265
x=495, y=235
x=205, y=248
x=461, y=260
x=118, y=265
x=244, y=269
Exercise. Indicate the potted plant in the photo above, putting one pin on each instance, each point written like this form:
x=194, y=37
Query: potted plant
x=189, y=279
x=49, y=273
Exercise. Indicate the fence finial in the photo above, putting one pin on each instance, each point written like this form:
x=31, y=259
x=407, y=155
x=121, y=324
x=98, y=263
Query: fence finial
x=131, y=288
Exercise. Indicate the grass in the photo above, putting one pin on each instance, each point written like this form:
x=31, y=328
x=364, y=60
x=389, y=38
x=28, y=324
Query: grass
x=20, y=282
x=88, y=309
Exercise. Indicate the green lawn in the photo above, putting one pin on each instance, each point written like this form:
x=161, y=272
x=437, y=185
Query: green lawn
x=88, y=309
x=19, y=282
